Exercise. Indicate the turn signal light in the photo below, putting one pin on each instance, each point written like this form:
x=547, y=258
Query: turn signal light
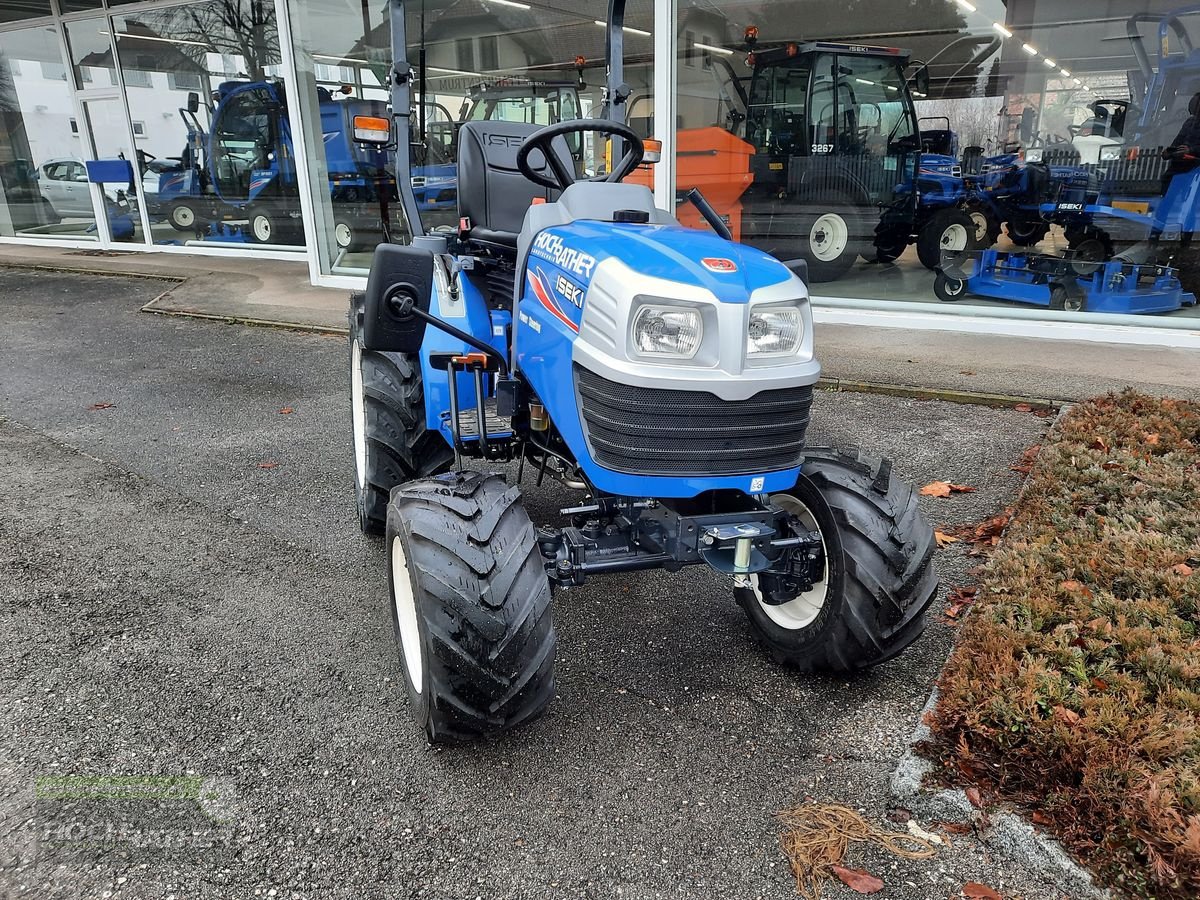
x=372, y=130
x=651, y=151
x=751, y=34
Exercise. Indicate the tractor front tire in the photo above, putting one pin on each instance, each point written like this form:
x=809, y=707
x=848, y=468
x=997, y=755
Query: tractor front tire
x=947, y=231
x=391, y=442
x=470, y=606
x=987, y=226
x=879, y=578
x=184, y=216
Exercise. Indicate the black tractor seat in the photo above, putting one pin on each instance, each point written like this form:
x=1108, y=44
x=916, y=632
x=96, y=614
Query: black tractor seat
x=493, y=195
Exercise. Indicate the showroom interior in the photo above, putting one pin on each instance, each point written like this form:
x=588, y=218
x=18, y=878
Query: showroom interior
x=1011, y=158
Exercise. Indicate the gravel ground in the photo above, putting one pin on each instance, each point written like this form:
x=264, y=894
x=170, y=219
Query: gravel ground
x=168, y=606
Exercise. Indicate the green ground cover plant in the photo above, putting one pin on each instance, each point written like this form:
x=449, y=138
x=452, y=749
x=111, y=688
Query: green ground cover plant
x=1074, y=689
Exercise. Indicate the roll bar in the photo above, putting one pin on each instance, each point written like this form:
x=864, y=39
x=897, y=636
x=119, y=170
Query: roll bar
x=400, y=83
x=616, y=91
x=1167, y=22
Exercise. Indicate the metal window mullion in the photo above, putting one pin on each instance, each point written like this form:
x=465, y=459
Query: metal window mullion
x=666, y=69
x=308, y=214
x=123, y=102
x=87, y=145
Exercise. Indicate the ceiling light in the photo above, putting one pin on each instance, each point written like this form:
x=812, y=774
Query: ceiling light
x=969, y=7
x=1051, y=64
x=1065, y=73
x=148, y=37
x=711, y=49
x=512, y=3
x=627, y=28
x=453, y=71
x=863, y=81
x=1030, y=49
x=1000, y=28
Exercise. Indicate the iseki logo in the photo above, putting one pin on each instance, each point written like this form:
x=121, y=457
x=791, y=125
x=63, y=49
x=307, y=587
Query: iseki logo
x=568, y=290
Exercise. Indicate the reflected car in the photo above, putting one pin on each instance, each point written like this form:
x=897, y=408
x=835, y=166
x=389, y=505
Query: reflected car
x=64, y=183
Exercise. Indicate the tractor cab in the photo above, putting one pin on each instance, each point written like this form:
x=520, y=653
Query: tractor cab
x=834, y=131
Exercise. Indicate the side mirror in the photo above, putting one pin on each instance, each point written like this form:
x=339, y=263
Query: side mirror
x=921, y=80
x=1028, y=125
x=401, y=279
x=193, y=103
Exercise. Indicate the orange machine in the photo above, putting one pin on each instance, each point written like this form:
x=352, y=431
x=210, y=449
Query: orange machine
x=716, y=162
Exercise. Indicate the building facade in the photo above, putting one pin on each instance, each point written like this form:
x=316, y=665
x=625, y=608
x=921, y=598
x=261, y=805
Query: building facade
x=1009, y=166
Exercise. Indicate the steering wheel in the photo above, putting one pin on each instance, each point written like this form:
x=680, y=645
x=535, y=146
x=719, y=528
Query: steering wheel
x=560, y=177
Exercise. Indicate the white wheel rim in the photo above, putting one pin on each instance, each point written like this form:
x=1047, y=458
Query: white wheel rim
x=342, y=234
x=981, y=225
x=406, y=615
x=262, y=228
x=803, y=610
x=358, y=407
x=184, y=216
x=955, y=238
x=829, y=237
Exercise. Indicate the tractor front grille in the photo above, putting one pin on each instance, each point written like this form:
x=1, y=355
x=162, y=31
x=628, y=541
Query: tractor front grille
x=649, y=431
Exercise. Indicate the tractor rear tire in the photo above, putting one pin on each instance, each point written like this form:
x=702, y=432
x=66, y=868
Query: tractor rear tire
x=470, y=606
x=392, y=444
x=948, y=230
x=879, y=576
x=1027, y=232
x=833, y=235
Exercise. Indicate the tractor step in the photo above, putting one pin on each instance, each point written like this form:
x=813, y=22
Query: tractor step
x=498, y=428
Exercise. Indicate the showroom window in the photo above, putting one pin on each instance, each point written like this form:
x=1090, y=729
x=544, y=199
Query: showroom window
x=473, y=61
x=991, y=156
x=45, y=193
x=204, y=81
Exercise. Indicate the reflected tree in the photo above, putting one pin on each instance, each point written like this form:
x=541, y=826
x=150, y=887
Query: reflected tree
x=243, y=28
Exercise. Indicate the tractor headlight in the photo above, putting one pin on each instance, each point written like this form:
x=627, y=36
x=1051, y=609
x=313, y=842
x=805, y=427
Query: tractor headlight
x=774, y=331
x=1033, y=156
x=1110, y=154
x=667, y=331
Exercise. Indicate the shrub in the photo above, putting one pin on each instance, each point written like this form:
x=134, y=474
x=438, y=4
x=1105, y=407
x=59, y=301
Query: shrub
x=1074, y=689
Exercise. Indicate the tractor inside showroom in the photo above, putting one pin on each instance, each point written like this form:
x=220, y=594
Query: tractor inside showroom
x=570, y=329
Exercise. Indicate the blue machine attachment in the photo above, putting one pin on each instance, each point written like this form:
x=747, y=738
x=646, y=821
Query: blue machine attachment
x=1063, y=282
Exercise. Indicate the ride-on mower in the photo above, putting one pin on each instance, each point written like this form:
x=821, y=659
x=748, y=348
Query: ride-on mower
x=576, y=330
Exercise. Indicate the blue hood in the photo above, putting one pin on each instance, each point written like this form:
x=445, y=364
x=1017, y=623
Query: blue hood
x=683, y=255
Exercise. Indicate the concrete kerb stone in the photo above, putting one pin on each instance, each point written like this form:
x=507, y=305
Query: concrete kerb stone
x=1004, y=832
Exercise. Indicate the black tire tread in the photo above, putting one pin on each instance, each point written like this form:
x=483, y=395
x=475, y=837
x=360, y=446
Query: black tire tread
x=929, y=238
x=889, y=581
x=485, y=599
x=400, y=447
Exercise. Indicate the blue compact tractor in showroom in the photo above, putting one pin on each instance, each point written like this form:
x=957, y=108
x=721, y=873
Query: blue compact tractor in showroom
x=570, y=329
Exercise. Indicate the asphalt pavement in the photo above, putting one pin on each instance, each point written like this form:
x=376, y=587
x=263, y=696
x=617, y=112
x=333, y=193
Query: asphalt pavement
x=184, y=592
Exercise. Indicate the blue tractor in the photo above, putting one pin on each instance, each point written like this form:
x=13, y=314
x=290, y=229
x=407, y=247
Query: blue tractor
x=574, y=330
x=244, y=167
x=941, y=222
